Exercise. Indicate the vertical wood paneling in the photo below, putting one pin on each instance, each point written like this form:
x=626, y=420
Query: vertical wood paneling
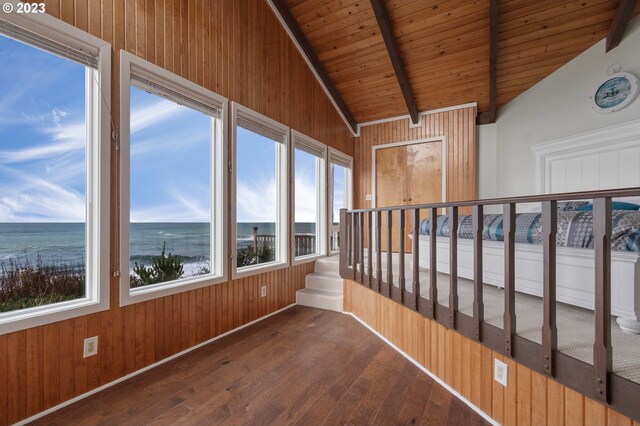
x=530, y=398
x=457, y=126
x=238, y=49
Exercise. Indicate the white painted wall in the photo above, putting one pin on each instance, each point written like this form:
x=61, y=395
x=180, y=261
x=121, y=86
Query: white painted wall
x=556, y=107
x=487, y=158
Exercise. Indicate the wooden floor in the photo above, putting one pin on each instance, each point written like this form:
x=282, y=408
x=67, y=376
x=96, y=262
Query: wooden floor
x=302, y=366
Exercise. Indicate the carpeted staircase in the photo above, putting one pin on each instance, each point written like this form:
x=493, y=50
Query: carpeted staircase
x=324, y=287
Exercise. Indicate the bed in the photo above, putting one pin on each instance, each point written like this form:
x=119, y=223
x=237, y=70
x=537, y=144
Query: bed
x=575, y=257
x=603, y=159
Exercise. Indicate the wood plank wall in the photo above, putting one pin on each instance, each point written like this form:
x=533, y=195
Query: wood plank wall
x=458, y=126
x=238, y=49
x=467, y=366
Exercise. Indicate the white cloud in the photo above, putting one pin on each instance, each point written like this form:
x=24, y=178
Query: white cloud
x=28, y=198
x=178, y=206
x=161, y=145
x=149, y=115
x=256, y=201
x=66, y=137
x=306, y=198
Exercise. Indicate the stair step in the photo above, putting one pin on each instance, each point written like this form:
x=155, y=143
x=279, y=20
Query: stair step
x=321, y=299
x=328, y=264
x=324, y=281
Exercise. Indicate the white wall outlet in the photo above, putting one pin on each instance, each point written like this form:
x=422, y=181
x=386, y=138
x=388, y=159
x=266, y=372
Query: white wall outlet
x=500, y=371
x=263, y=291
x=368, y=197
x=91, y=346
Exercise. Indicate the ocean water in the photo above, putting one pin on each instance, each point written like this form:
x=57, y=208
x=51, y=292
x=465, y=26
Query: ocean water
x=64, y=243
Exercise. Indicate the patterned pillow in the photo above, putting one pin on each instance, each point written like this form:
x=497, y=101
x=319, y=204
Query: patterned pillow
x=567, y=206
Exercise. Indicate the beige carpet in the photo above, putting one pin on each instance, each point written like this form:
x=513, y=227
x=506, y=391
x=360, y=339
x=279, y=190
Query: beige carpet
x=575, y=325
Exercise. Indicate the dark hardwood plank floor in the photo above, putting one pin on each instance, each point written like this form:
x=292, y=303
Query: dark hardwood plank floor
x=302, y=366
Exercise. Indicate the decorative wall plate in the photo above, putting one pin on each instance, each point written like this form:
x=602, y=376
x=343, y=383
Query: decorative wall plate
x=615, y=92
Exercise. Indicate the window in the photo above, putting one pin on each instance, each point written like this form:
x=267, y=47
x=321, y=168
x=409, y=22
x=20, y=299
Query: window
x=54, y=172
x=340, y=192
x=173, y=180
x=259, y=177
x=309, y=195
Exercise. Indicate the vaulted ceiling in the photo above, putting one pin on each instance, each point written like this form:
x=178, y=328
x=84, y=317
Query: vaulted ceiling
x=444, y=46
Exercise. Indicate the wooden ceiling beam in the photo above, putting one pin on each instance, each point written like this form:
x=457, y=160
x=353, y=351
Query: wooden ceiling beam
x=384, y=23
x=619, y=23
x=490, y=116
x=316, y=64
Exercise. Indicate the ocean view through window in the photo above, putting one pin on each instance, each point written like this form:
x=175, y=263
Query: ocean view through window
x=173, y=180
x=170, y=190
x=309, y=198
x=260, y=192
x=43, y=177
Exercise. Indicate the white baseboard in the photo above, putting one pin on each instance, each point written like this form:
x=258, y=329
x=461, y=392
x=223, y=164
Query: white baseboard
x=149, y=367
x=429, y=373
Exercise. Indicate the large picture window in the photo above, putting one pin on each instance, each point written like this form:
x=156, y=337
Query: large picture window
x=260, y=192
x=340, y=192
x=309, y=195
x=173, y=183
x=54, y=164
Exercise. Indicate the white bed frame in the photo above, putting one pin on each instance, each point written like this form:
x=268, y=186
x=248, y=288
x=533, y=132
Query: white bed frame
x=603, y=159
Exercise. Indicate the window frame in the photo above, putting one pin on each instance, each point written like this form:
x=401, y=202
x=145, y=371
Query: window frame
x=302, y=140
x=131, y=64
x=98, y=177
x=282, y=178
x=341, y=159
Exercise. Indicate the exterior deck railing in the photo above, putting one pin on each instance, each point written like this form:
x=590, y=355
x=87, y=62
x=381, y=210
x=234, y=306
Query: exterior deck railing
x=304, y=244
x=361, y=228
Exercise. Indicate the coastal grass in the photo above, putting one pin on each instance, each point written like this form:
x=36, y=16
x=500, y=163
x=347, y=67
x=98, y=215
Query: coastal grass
x=23, y=285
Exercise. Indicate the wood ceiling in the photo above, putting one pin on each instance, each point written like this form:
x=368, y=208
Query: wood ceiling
x=445, y=48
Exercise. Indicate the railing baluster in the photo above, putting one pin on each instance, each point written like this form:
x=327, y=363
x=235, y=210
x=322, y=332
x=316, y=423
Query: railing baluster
x=361, y=245
x=369, y=249
x=433, y=262
x=509, y=321
x=389, y=285
x=478, y=299
x=453, y=265
x=344, y=256
x=549, y=328
x=401, y=279
x=378, y=251
x=415, y=252
x=602, y=358
x=354, y=245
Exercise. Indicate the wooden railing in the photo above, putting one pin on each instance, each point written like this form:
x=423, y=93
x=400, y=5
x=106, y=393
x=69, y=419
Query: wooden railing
x=304, y=244
x=364, y=227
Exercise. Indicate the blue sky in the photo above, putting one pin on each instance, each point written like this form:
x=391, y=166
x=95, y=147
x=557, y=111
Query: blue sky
x=42, y=136
x=42, y=149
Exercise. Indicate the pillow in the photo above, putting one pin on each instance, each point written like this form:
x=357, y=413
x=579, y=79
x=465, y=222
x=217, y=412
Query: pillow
x=615, y=205
x=567, y=206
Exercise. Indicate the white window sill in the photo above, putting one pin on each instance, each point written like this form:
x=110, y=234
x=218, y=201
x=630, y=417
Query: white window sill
x=129, y=296
x=23, y=319
x=248, y=271
x=308, y=258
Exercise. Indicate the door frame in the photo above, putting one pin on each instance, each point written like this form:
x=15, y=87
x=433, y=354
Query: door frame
x=375, y=148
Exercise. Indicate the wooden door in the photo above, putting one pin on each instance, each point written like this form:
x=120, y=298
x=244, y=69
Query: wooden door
x=408, y=175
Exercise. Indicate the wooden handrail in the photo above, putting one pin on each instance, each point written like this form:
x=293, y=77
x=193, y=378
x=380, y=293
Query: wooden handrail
x=597, y=381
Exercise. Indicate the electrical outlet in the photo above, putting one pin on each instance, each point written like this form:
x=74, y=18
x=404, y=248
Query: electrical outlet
x=368, y=197
x=263, y=291
x=91, y=346
x=500, y=371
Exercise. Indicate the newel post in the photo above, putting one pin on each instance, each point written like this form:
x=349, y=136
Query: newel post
x=602, y=359
x=343, y=254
